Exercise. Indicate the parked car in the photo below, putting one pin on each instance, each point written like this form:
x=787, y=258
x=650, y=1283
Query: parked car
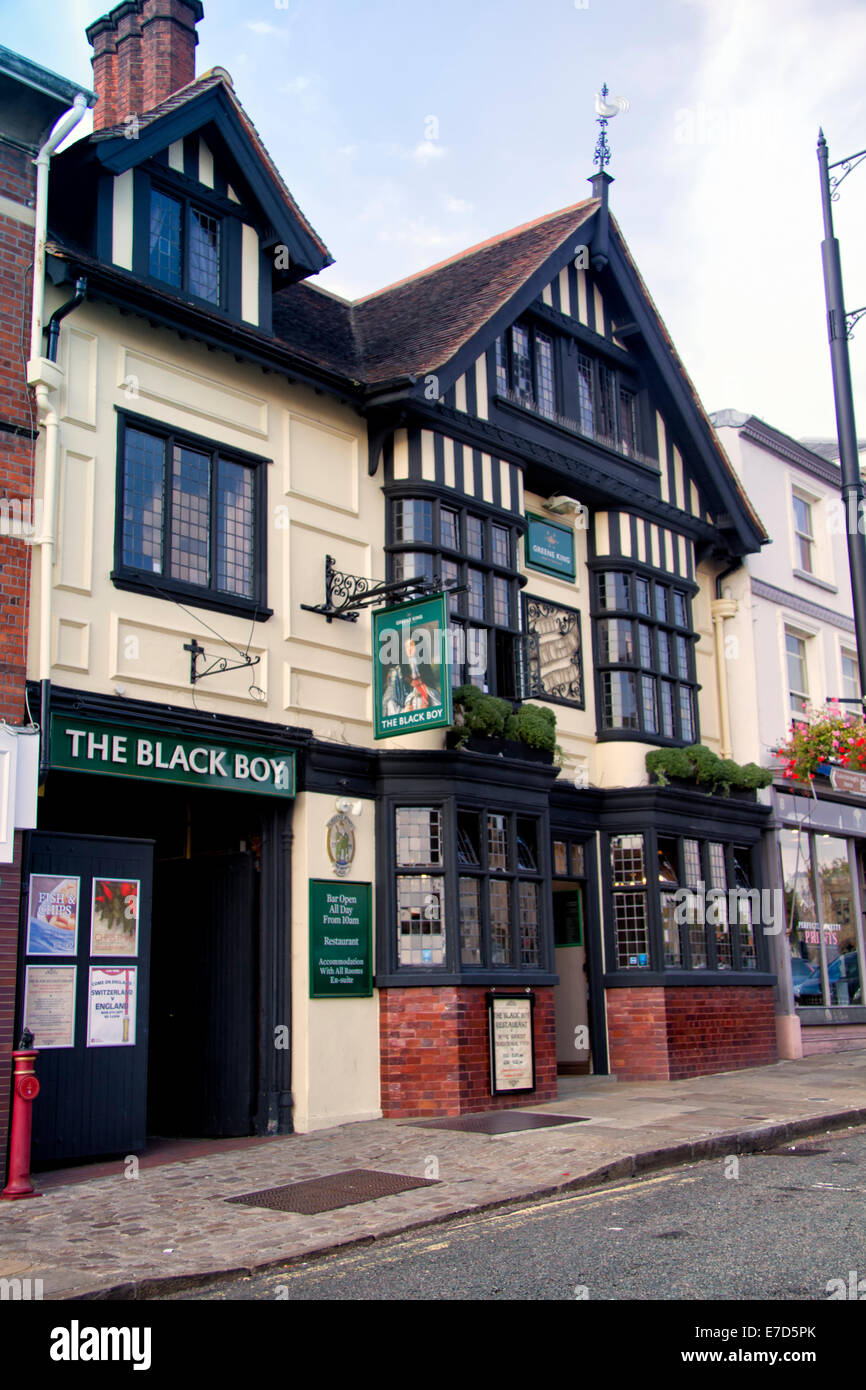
x=843, y=974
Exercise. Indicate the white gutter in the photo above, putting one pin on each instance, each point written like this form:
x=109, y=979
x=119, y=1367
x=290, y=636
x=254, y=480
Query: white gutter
x=61, y=129
x=46, y=377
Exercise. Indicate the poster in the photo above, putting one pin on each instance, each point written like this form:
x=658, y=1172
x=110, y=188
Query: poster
x=49, y=1005
x=512, y=1055
x=411, y=672
x=341, y=959
x=52, y=915
x=111, y=999
x=114, y=917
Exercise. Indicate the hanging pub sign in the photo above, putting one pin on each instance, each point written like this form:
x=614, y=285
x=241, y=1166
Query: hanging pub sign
x=550, y=547
x=157, y=755
x=512, y=1043
x=341, y=965
x=411, y=669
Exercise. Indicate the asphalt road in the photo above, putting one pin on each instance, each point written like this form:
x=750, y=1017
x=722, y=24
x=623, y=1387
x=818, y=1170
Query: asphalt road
x=767, y=1227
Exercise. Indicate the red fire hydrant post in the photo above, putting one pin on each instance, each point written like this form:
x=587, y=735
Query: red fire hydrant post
x=26, y=1089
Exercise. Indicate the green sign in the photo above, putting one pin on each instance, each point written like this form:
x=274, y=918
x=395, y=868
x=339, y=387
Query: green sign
x=341, y=964
x=411, y=669
x=550, y=547
x=157, y=755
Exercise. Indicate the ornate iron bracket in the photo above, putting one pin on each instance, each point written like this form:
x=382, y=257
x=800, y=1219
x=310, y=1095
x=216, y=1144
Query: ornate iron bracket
x=217, y=667
x=848, y=165
x=347, y=594
x=852, y=318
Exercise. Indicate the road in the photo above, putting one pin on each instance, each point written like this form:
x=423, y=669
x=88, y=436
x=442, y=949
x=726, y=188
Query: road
x=771, y=1227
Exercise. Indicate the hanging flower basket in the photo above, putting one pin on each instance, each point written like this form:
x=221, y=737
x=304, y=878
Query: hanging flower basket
x=826, y=739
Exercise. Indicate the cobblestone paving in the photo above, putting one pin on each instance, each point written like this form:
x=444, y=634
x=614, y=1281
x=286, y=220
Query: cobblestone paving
x=110, y=1233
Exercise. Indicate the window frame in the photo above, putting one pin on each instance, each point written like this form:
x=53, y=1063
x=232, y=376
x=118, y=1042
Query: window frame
x=189, y=201
x=130, y=577
x=451, y=805
x=504, y=349
x=653, y=891
x=797, y=635
x=636, y=667
x=801, y=536
x=501, y=649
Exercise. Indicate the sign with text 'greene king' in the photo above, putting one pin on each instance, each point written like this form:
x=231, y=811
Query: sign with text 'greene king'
x=411, y=668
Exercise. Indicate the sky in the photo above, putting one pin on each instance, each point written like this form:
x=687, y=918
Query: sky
x=410, y=131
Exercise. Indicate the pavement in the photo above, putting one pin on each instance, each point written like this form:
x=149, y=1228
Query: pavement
x=103, y=1232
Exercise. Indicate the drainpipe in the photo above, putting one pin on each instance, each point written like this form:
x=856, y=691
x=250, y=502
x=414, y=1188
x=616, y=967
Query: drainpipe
x=722, y=608
x=45, y=377
x=61, y=129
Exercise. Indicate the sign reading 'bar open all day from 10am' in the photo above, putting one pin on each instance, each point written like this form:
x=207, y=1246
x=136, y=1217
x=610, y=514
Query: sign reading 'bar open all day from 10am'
x=157, y=755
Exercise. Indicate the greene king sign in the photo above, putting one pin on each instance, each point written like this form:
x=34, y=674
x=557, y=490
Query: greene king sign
x=156, y=755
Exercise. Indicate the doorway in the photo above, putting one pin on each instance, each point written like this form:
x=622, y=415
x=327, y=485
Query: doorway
x=574, y=1054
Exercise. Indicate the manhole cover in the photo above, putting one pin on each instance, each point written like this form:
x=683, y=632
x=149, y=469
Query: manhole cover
x=499, y=1121
x=326, y=1194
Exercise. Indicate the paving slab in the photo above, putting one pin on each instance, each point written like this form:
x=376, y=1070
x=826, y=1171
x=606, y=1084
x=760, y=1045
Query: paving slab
x=96, y=1233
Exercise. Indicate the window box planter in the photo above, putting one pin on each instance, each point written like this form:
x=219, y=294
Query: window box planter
x=498, y=747
x=699, y=769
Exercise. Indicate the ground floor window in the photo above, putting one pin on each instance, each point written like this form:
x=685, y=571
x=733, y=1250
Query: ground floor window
x=473, y=878
x=701, y=893
x=821, y=917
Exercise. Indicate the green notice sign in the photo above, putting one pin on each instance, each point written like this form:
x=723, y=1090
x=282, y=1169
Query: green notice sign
x=550, y=547
x=158, y=755
x=411, y=672
x=341, y=962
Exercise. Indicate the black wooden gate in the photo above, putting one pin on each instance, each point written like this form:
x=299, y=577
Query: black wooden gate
x=93, y=1092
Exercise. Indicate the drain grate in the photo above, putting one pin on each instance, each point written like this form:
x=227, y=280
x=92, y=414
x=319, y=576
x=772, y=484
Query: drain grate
x=499, y=1121
x=326, y=1194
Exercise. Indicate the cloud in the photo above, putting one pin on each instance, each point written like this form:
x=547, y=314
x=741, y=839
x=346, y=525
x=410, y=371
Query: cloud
x=295, y=85
x=347, y=150
x=265, y=30
x=453, y=204
x=427, y=151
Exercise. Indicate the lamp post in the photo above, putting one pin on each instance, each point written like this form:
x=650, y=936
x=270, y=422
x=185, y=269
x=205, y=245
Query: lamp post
x=839, y=327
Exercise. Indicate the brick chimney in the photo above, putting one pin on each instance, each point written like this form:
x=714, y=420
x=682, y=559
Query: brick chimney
x=143, y=50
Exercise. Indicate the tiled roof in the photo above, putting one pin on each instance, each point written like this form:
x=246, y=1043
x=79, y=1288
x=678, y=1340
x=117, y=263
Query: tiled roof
x=419, y=323
x=218, y=77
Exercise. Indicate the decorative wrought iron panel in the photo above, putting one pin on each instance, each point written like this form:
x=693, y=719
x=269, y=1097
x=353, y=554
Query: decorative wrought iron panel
x=554, y=653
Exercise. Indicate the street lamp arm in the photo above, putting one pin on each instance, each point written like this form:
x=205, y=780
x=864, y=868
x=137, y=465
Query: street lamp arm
x=848, y=164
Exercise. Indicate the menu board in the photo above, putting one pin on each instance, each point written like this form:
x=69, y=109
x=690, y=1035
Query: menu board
x=49, y=1005
x=512, y=1051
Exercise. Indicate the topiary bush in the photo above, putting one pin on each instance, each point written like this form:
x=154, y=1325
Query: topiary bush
x=703, y=766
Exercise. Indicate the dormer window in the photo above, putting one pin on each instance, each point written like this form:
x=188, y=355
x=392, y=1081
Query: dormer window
x=525, y=372
x=185, y=246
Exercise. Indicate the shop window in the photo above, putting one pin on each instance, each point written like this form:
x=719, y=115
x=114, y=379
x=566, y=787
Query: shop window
x=420, y=895
x=185, y=246
x=554, y=654
x=189, y=519
x=645, y=657
x=476, y=555
x=628, y=874
x=820, y=920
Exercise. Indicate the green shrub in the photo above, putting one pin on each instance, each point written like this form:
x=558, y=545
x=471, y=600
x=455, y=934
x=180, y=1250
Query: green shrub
x=703, y=766
x=533, y=725
x=490, y=717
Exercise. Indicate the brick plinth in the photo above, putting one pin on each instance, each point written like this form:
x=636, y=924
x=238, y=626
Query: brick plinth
x=669, y=1034
x=435, y=1052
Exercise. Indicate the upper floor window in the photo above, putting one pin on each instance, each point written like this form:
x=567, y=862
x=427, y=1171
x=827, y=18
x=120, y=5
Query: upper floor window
x=607, y=406
x=525, y=368
x=850, y=676
x=798, y=673
x=189, y=517
x=804, y=535
x=433, y=538
x=185, y=246
x=645, y=656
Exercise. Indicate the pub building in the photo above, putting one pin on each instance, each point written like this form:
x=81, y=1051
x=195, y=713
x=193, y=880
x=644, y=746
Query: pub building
x=318, y=901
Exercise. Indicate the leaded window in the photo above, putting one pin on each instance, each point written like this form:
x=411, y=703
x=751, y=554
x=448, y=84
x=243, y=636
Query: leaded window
x=185, y=246
x=189, y=518
x=645, y=655
x=526, y=369
x=475, y=555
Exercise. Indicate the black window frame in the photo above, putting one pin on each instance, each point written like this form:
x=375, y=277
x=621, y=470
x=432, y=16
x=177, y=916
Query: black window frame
x=189, y=201
x=636, y=667
x=735, y=849
x=503, y=664
x=130, y=577
x=627, y=435
x=451, y=870
x=505, y=357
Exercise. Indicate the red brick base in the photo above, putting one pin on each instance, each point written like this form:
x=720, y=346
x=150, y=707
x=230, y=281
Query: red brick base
x=668, y=1034
x=435, y=1052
